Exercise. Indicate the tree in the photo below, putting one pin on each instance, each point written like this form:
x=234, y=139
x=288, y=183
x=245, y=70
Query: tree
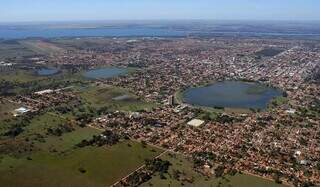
x=219, y=171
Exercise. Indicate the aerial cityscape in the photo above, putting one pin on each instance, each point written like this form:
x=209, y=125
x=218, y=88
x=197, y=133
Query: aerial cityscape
x=152, y=99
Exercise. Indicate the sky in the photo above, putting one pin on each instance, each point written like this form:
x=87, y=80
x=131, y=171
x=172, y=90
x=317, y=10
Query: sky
x=73, y=10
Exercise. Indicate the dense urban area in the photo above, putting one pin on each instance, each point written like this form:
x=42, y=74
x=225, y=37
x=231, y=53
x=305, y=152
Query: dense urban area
x=52, y=119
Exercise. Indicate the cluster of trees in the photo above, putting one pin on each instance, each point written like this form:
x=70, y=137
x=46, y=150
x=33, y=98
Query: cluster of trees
x=208, y=116
x=137, y=178
x=14, y=131
x=16, y=149
x=152, y=166
x=153, y=122
x=64, y=108
x=6, y=88
x=16, y=125
x=61, y=129
x=312, y=111
x=219, y=171
x=106, y=138
x=314, y=76
x=208, y=158
x=202, y=158
x=275, y=173
x=157, y=165
x=216, y=116
x=83, y=113
x=224, y=119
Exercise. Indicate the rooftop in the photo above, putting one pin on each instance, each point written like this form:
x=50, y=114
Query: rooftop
x=195, y=122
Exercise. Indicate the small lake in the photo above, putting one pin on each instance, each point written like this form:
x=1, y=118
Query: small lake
x=105, y=73
x=47, y=71
x=232, y=94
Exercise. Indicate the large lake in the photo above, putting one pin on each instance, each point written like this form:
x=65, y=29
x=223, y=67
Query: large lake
x=232, y=94
x=22, y=33
x=104, y=73
x=8, y=33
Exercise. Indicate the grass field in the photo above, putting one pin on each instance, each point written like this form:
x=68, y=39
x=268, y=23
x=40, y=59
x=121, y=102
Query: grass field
x=41, y=47
x=278, y=101
x=82, y=43
x=103, y=166
x=13, y=49
x=41, y=123
x=19, y=76
x=27, y=81
x=6, y=109
x=179, y=163
x=57, y=161
x=104, y=96
x=68, y=140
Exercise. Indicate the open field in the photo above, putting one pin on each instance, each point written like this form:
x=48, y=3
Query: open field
x=67, y=141
x=41, y=123
x=57, y=161
x=6, y=109
x=100, y=166
x=27, y=81
x=41, y=46
x=45, y=159
x=188, y=177
x=81, y=43
x=279, y=101
x=106, y=96
x=20, y=76
x=13, y=49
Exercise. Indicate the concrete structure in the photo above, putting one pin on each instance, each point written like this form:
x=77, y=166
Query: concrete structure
x=44, y=92
x=291, y=111
x=195, y=122
x=20, y=111
x=171, y=100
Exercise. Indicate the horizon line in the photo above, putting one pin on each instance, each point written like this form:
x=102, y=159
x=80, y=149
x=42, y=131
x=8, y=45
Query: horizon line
x=158, y=20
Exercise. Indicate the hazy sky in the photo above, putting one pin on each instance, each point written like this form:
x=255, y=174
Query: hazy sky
x=59, y=10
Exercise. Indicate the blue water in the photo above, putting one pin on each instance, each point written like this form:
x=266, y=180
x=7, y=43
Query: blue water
x=104, y=73
x=47, y=71
x=231, y=94
x=8, y=33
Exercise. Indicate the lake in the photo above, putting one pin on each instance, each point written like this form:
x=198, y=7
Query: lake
x=47, y=71
x=104, y=73
x=308, y=29
x=9, y=33
x=232, y=94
